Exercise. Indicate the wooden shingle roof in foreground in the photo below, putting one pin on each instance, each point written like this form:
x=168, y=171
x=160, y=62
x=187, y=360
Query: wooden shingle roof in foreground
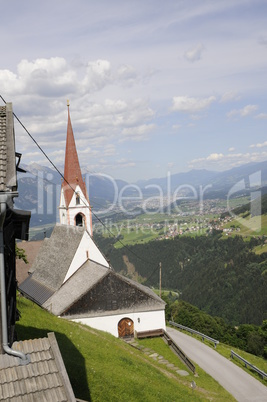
x=44, y=379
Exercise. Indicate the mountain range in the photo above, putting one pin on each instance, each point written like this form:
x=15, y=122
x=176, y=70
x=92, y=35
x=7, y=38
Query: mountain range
x=39, y=187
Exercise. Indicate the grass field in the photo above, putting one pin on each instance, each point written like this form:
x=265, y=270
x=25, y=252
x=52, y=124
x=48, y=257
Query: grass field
x=136, y=237
x=256, y=226
x=104, y=368
x=261, y=249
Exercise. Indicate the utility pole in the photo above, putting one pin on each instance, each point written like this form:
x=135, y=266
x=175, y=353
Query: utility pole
x=160, y=279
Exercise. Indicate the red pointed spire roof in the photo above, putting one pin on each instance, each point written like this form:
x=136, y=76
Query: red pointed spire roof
x=72, y=170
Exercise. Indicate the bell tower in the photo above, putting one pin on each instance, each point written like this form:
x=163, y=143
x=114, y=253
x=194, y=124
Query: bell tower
x=74, y=207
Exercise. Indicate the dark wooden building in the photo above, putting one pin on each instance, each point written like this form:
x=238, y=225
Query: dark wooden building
x=14, y=224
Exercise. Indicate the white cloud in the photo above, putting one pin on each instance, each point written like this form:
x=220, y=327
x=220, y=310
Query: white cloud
x=98, y=120
x=191, y=105
x=46, y=77
x=41, y=67
x=127, y=74
x=137, y=133
x=98, y=75
x=106, y=165
x=195, y=117
x=55, y=77
x=248, y=110
x=259, y=145
x=245, y=111
x=41, y=77
x=125, y=163
x=9, y=82
x=195, y=53
x=229, y=96
x=231, y=149
x=227, y=161
x=215, y=157
x=113, y=113
x=261, y=116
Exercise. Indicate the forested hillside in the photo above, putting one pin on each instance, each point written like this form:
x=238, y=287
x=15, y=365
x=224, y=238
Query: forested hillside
x=222, y=277
x=248, y=337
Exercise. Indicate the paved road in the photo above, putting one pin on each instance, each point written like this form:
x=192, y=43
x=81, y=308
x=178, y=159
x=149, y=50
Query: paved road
x=236, y=381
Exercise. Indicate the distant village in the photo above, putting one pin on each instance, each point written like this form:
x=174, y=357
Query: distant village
x=199, y=226
x=188, y=218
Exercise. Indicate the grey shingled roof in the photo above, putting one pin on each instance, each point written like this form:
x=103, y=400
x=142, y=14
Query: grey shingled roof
x=35, y=290
x=45, y=285
x=55, y=256
x=87, y=276
x=141, y=287
x=44, y=379
x=84, y=279
x=8, y=178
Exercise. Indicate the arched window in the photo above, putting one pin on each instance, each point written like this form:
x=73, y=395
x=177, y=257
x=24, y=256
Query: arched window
x=79, y=220
x=78, y=200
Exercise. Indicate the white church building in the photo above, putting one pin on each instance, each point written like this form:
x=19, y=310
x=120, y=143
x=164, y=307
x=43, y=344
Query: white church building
x=70, y=276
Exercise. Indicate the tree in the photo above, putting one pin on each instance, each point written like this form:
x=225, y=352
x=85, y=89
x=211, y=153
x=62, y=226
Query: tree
x=21, y=255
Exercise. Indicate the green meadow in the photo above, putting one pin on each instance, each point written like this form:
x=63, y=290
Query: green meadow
x=104, y=368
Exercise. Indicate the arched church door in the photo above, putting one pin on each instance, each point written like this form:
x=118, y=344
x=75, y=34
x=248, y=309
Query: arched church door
x=125, y=327
x=79, y=220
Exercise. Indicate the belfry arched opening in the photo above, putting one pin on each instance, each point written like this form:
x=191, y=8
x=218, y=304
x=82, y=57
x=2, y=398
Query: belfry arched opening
x=79, y=220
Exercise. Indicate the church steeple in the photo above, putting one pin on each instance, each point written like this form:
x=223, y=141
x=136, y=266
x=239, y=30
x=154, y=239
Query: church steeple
x=74, y=206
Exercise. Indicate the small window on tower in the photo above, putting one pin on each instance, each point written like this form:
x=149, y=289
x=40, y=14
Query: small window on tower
x=78, y=200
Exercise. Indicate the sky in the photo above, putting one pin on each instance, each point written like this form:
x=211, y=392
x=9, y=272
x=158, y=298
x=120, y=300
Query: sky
x=154, y=87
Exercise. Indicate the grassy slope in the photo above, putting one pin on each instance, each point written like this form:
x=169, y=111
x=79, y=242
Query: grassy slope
x=103, y=368
x=256, y=226
x=260, y=249
x=136, y=237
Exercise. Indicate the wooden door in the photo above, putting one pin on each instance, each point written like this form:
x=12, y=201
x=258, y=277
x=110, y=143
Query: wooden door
x=126, y=327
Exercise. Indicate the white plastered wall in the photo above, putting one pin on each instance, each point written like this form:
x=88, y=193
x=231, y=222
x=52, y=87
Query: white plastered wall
x=63, y=219
x=87, y=249
x=143, y=321
x=67, y=215
x=82, y=208
x=83, y=201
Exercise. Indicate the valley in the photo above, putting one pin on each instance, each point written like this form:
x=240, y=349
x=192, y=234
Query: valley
x=212, y=250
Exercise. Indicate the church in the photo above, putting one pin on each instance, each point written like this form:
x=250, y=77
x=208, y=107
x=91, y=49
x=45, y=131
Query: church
x=71, y=277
